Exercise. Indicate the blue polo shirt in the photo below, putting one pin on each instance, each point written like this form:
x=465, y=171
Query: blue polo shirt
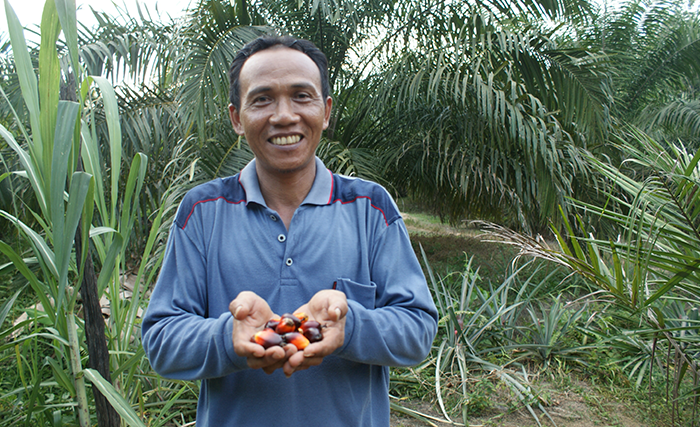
x=348, y=235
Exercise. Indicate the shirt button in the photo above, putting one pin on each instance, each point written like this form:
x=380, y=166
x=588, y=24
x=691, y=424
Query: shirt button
x=281, y=238
x=272, y=217
x=289, y=262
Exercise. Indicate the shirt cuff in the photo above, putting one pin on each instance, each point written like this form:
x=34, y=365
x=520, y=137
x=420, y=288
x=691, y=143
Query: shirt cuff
x=239, y=363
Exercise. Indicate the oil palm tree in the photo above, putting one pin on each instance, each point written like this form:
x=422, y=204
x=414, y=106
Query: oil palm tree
x=653, y=48
x=464, y=101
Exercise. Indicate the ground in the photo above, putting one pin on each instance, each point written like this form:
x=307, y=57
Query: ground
x=567, y=409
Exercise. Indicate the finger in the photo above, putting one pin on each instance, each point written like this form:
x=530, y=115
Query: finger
x=329, y=305
x=297, y=363
x=243, y=304
x=249, y=349
x=237, y=309
x=321, y=348
x=270, y=369
x=275, y=364
x=269, y=358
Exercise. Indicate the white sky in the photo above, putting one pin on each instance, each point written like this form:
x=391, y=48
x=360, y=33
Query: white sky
x=29, y=11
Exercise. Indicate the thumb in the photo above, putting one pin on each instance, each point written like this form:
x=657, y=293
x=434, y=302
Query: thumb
x=238, y=310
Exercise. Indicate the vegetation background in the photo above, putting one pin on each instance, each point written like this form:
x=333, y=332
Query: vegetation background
x=564, y=131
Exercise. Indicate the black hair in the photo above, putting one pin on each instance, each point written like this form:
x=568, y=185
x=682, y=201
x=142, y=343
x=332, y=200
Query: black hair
x=266, y=42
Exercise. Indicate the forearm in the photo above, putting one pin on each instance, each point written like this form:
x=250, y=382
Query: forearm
x=390, y=336
x=190, y=347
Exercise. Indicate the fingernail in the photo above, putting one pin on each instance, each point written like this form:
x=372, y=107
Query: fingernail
x=337, y=312
x=235, y=313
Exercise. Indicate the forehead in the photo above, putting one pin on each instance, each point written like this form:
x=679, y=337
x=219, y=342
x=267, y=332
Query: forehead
x=278, y=65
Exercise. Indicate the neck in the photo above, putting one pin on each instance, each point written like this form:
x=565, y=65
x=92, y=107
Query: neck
x=284, y=192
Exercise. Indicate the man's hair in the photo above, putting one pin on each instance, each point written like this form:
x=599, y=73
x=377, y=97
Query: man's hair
x=266, y=42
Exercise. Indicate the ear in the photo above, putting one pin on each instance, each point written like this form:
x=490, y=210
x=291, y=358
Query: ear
x=327, y=118
x=235, y=120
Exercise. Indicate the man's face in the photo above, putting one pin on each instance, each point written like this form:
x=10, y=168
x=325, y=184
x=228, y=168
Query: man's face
x=282, y=113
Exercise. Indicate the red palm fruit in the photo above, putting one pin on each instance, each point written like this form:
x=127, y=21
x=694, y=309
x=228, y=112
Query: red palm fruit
x=302, y=316
x=299, y=340
x=288, y=323
x=267, y=338
x=285, y=325
x=310, y=324
x=272, y=323
x=313, y=334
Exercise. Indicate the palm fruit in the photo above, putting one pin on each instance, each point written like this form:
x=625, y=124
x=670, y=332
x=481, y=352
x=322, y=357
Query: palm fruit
x=297, y=339
x=302, y=316
x=313, y=334
x=267, y=338
x=310, y=324
x=288, y=323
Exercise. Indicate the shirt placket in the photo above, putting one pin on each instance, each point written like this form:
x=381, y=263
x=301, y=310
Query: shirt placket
x=283, y=239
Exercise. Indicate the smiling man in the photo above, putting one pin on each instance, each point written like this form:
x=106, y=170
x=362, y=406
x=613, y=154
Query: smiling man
x=287, y=235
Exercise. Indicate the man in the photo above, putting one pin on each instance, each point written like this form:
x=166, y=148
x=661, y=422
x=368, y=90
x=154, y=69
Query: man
x=287, y=235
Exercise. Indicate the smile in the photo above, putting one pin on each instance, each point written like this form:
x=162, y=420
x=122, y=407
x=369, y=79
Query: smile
x=285, y=140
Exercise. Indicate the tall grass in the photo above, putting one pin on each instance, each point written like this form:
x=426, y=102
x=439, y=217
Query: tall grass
x=48, y=347
x=486, y=331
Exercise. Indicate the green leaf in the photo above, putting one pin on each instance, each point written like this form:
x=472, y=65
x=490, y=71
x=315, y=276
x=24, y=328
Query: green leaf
x=111, y=108
x=49, y=82
x=63, y=238
x=86, y=221
x=90, y=154
x=27, y=79
x=39, y=289
x=80, y=187
x=7, y=306
x=60, y=375
x=67, y=16
x=109, y=263
x=41, y=249
x=693, y=267
x=129, y=416
x=33, y=175
x=134, y=183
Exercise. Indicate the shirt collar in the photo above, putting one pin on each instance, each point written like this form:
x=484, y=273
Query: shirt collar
x=320, y=193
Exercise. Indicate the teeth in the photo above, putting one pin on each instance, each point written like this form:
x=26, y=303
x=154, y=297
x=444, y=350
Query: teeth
x=286, y=140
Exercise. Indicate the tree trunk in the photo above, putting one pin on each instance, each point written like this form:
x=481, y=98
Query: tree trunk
x=98, y=352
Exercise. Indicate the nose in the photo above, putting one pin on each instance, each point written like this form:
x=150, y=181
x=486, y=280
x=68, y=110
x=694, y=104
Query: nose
x=284, y=113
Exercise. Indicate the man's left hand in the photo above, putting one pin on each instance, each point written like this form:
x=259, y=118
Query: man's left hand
x=328, y=307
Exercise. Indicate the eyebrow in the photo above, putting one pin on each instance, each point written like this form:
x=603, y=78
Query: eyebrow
x=262, y=89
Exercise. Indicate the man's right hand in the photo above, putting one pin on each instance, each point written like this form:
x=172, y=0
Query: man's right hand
x=250, y=313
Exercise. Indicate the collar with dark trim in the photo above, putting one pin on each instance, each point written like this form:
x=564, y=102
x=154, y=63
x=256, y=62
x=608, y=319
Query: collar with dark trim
x=320, y=193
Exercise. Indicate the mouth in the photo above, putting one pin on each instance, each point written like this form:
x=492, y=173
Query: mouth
x=285, y=140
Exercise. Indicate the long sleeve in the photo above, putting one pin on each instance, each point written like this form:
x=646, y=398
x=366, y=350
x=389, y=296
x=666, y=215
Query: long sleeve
x=181, y=341
x=392, y=320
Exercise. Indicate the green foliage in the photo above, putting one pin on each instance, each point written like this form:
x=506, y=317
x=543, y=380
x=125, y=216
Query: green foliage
x=47, y=346
x=650, y=273
x=488, y=110
x=477, y=322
